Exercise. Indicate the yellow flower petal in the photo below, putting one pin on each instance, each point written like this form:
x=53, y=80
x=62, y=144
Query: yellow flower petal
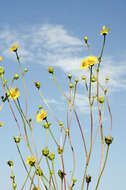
x=14, y=47
x=104, y=30
x=87, y=62
x=31, y=160
x=1, y=58
x=13, y=93
x=40, y=116
x=1, y=124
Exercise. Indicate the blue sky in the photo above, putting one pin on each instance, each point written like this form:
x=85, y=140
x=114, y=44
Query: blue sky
x=50, y=33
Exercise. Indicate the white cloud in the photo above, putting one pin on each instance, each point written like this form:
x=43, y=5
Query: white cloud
x=53, y=45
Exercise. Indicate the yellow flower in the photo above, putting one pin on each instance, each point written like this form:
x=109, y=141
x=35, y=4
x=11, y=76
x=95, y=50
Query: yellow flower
x=42, y=115
x=1, y=58
x=87, y=62
x=104, y=30
x=1, y=124
x=31, y=160
x=14, y=47
x=36, y=188
x=14, y=93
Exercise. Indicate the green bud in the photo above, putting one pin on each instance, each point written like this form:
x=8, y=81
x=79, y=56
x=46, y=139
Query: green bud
x=88, y=179
x=108, y=140
x=16, y=76
x=86, y=39
x=69, y=76
x=1, y=71
x=45, y=151
x=10, y=163
x=93, y=79
x=46, y=125
x=37, y=84
x=51, y=156
x=39, y=172
x=51, y=70
x=76, y=80
x=17, y=139
x=71, y=85
x=83, y=77
x=101, y=99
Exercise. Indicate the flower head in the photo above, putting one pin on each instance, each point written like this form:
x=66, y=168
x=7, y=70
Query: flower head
x=108, y=140
x=40, y=116
x=14, y=47
x=1, y=124
x=51, y=70
x=31, y=160
x=1, y=58
x=13, y=93
x=17, y=139
x=104, y=31
x=1, y=70
x=89, y=61
x=36, y=188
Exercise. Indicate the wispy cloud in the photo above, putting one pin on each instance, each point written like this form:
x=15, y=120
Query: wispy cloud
x=54, y=45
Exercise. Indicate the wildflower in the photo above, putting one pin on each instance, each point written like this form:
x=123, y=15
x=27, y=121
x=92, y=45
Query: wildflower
x=13, y=93
x=14, y=47
x=61, y=174
x=86, y=39
x=37, y=84
x=46, y=125
x=93, y=79
x=25, y=70
x=60, y=150
x=83, y=77
x=74, y=180
x=67, y=131
x=41, y=116
x=14, y=185
x=51, y=156
x=16, y=76
x=1, y=58
x=30, y=119
x=88, y=179
x=1, y=124
x=40, y=107
x=60, y=123
x=45, y=151
x=69, y=76
x=89, y=61
x=17, y=139
x=51, y=70
x=108, y=140
x=76, y=80
x=10, y=163
x=39, y=172
x=101, y=99
x=104, y=31
x=36, y=188
x=31, y=160
x=1, y=71
x=71, y=85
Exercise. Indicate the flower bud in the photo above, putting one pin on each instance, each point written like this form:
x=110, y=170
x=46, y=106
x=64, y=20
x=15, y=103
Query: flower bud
x=10, y=163
x=45, y=151
x=83, y=77
x=25, y=70
x=76, y=80
x=88, y=179
x=37, y=84
x=67, y=131
x=17, y=139
x=16, y=76
x=93, y=79
x=60, y=150
x=46, y=125
x=71, y=85
x=51, y=156
x=86, y=39
x=69, y=76
x=108, y=140
x=39, y=172
x=101, y=99
x=14, y=185
x=1, y=71
x=51, y=70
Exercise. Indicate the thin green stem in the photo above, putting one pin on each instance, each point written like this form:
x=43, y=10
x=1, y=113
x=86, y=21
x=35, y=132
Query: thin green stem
x=102, y=168
x=26, y=178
